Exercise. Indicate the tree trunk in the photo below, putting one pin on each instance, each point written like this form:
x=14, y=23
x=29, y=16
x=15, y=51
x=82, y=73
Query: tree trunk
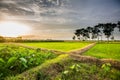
x=101, y=37
x=108, y=39
x=98, y=37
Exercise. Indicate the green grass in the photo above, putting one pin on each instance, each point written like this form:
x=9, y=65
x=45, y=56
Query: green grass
x=87, y=71
x=109, y=51
x=61, y=46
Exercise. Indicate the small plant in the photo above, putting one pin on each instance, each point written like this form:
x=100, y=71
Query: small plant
x=106, y=68
x=73, y=71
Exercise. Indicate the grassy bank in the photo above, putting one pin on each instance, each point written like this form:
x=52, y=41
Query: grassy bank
x=64, y=68
x=106, y=50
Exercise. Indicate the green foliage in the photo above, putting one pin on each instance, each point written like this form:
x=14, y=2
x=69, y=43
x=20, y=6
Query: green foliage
x=106, y=67
x=86, y=71
x=41, y=71
x=14, y=59
x=11, y=61
x=73, y=70
x=2, y=62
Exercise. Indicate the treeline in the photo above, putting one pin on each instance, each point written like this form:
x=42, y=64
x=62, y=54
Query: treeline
x=40, y=41
x=19, y=39
x=10, y=39
x=97, y=31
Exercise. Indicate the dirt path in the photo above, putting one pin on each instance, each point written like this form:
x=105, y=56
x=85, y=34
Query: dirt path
x=82, y=50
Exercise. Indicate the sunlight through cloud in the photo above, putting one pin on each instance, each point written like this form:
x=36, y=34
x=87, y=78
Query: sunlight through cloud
x=13, y=29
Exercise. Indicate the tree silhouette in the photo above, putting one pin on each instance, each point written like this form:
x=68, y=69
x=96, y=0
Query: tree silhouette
x=108, y=29
x=73, y=37
x=89, y=29
x=118, y=25
x=85, y=34
x=81, y=34
x=2, y=39
x=78, y=33
x=97, y=31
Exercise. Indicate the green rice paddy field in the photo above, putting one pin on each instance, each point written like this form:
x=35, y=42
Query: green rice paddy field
x=60, y=46
x=15, y=60
x=100, y=50
x=104, y=50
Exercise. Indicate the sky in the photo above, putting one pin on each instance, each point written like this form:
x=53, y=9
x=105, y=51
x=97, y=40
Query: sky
x=58, y=19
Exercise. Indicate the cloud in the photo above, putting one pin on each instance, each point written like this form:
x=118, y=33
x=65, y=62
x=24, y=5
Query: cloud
x=34, y=9
x=60, y=14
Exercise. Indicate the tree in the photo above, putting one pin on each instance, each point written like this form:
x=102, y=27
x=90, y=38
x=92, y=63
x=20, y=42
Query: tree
x=77, y=33
x=113, y=26
x=85, y=34
x=96, y=32
x=101, y=25
x=2, y=39
x=73, y=37
x=82, y=34
x=89, y=29
x=108, y=29
x=118, y=25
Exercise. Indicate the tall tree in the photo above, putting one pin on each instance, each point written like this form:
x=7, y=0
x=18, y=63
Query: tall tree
x=108, y=29
x=78, y=33
x=85, y=34
x=89, y=29
x=118, y=25
x=96, y=32
x=82, y=34
x=101, y=29
x=113, y=26
x=73, y=37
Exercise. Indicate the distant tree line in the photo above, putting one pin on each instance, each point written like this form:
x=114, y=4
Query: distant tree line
x=97, y=31
x=10, y=39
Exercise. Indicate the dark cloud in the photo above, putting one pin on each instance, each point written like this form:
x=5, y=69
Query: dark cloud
x=58, y=15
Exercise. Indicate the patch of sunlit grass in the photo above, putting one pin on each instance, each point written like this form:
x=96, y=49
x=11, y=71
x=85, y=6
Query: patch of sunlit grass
x=111, y=51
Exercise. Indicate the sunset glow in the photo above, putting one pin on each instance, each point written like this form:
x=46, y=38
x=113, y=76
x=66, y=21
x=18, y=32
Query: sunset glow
x=13, y=29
